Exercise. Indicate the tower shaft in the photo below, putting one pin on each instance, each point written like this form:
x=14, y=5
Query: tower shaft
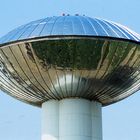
x=71, y=119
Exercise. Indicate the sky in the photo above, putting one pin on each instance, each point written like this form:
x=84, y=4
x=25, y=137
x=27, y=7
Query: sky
x=19, y=121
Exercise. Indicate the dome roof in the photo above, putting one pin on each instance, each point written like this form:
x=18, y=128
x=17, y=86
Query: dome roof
x=70, y=25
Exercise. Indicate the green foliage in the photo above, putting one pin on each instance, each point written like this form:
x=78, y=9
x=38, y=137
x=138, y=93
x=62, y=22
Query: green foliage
x=75, y=54
x=81, y=53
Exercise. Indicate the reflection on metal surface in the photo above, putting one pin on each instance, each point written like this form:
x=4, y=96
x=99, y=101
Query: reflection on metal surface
x=98, y=69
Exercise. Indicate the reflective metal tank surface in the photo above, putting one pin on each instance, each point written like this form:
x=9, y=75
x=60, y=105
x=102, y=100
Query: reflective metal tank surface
x=70, y=25
x=70, y=57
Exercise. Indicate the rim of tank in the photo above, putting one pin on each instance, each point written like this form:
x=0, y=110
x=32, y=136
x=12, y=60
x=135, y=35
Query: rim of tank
x=60, y=37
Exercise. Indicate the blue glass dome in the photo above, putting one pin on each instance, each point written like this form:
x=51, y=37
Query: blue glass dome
x=70, y=25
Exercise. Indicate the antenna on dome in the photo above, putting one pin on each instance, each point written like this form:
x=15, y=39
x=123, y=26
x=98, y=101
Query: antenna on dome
x=76, y=14
x=63, y=14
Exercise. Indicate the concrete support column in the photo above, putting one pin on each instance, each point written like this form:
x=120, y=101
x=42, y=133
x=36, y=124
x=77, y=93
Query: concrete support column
x=71, y=119
x=50, y=120
x=96, y=118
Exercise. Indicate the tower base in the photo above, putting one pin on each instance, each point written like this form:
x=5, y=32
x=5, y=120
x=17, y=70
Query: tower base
x=71, y=119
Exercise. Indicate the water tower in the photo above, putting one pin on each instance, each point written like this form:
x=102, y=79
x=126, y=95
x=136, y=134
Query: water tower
x=70, y=66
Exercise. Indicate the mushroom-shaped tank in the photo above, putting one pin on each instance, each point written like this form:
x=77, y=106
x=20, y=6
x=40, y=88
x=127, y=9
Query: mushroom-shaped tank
x=70, y=57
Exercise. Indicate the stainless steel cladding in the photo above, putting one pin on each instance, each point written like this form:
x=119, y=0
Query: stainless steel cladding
x=42, y=61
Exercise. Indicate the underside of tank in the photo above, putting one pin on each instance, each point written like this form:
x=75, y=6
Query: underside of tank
x=100, y=69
